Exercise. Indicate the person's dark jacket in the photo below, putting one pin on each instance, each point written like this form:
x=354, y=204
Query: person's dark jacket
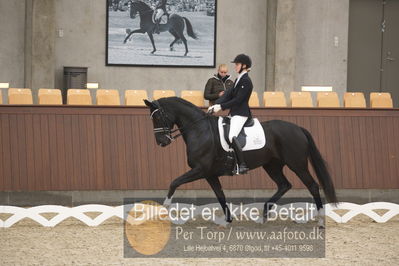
x=215, y=85
x=237, y=98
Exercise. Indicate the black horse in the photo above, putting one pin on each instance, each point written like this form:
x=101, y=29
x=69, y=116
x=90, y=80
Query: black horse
x=175, y=25
x=287, y=144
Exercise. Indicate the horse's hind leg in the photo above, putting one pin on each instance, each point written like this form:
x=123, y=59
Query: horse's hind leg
x=175, y=40
x=313, y=187
x=185, y=43
x=275, y=171
x=214, y=182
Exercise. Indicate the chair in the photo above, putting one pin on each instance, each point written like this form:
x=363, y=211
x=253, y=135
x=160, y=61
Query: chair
x=254, y=100
x=354, y=100
x=196, y=97
x=108, y=97
x=20, y=96
x=50, y=96
x=135, y=97
x=157, y=94
x=381, y=100
x=327, y=99
x=274, y=99
x=79, y=97
x=301, y=99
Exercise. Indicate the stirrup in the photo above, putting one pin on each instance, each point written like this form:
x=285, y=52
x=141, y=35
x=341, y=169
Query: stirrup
x=240, y=170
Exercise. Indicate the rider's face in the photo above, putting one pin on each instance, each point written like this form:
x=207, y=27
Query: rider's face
x=238, y=67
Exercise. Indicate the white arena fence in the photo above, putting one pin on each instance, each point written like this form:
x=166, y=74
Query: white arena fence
x=62, y=213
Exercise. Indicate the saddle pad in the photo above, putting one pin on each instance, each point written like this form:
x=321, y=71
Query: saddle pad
x=255, y=136
x=163, y=21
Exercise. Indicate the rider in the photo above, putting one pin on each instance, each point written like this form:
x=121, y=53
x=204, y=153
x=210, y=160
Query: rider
x=160, y=10
x=236, y=99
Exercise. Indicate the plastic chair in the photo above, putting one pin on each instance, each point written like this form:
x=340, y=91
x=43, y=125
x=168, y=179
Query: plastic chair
x=79, y=97
x=301, y=99
x=196, y=97
x=20, y=96
x=108, y=97
x=50, y=96
x=274, y=99
x=135, y=97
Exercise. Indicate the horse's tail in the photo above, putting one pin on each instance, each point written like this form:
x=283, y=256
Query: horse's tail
x=190, y=30
x=320, y=168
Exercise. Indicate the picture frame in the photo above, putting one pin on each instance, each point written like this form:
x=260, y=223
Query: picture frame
x=184, y=37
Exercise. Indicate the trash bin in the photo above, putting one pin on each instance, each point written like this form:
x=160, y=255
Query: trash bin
x=74, y=78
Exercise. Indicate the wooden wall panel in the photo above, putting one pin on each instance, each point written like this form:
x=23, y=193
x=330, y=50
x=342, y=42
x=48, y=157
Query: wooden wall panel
x=112, y=148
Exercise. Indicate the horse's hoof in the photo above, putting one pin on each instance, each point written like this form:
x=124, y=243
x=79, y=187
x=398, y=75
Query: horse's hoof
x=321, y=224
x=153, y=52
x=265, y=217
x=223, y=224
x=260, y=220
x=171, y=48
x=223, y=227
x=167, y=202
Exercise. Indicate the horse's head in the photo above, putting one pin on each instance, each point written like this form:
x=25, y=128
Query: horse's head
x=163, y=123
x=133, y=9
x=138, y=7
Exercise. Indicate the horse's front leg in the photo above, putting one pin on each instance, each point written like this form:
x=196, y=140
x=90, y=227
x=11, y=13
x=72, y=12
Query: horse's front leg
x=190, y=176
x=214, y=182
x=152, y=41
x=129, y=33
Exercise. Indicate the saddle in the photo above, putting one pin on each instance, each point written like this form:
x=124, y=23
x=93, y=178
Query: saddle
x=251, y=137
x=242, y=137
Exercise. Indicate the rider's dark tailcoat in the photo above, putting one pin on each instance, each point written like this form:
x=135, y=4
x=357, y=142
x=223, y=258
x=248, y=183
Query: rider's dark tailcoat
x=236, y=99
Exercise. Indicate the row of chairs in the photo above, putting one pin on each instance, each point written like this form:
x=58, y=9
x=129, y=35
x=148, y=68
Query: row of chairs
x=135, y=98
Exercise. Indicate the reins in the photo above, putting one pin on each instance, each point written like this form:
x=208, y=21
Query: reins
x=166, y=130
x=181, y=129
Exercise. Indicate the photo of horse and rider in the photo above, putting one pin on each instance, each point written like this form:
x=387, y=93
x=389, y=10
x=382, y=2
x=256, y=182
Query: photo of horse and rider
x=161, y=32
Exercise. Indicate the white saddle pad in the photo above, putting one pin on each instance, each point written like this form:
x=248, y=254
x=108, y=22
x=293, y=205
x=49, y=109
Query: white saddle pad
x=255, y=136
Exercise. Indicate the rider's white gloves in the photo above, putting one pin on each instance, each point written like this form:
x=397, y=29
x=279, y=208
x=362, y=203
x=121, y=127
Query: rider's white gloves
x=214, y=108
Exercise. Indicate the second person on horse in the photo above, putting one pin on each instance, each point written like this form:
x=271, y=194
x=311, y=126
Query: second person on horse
x=236, y=99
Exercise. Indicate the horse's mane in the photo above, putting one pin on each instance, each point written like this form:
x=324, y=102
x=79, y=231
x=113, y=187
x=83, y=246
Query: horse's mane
x=179, y=100
x=142, y=5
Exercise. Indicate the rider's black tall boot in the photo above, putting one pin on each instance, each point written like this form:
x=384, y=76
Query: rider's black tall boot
x=242, y=167
x=157, y=31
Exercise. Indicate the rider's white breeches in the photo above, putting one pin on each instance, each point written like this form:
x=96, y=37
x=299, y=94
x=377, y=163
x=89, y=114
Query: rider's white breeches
x=236, y=124
x=159, y=14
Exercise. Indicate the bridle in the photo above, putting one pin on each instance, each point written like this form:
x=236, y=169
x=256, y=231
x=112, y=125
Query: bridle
x=165, y=129
x=138, y=11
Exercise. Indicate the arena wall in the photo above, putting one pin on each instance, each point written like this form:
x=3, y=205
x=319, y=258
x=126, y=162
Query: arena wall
x=301, y=50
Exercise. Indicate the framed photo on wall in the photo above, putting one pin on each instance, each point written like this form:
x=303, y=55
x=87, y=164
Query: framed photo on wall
x=161, y=33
